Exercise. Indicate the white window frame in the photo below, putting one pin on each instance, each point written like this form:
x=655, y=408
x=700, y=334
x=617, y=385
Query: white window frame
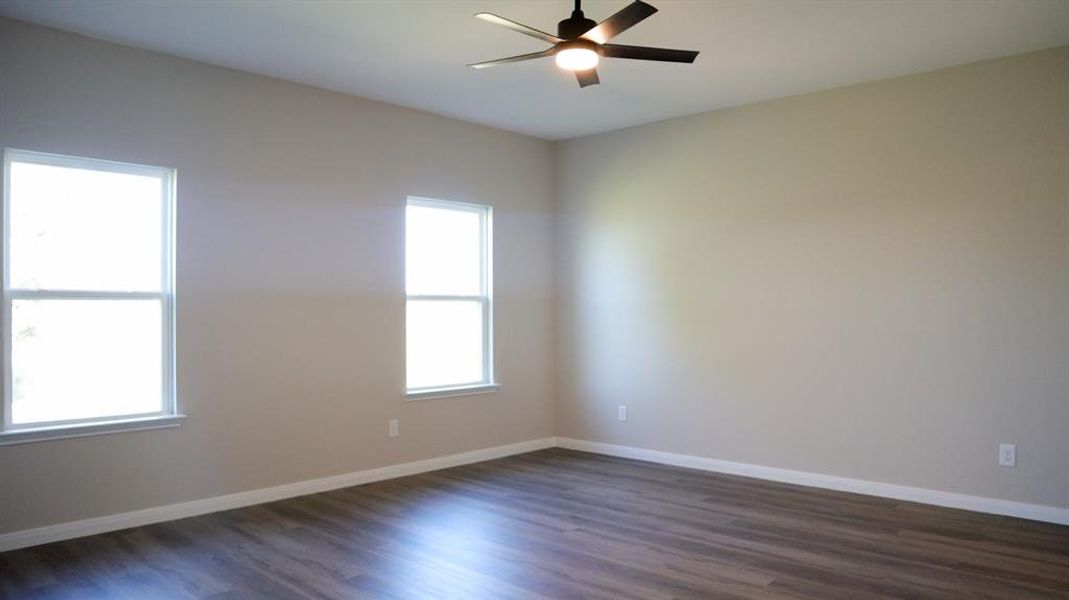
x=168, y=415
x=486, y=269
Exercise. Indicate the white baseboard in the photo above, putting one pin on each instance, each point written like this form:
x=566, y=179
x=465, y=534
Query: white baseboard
x=75, y=529
x=1036, y=512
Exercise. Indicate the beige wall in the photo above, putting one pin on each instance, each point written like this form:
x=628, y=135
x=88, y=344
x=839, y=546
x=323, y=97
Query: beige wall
x=290, y=289
x=869, y=282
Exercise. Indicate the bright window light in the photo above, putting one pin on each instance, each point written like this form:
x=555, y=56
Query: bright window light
x=87, y=291
x=447, y=280
x=84, y=359
x=442, y=251
x=445, y=343
x=78, y=229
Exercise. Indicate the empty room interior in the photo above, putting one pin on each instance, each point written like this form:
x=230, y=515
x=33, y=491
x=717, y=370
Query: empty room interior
x=535, y=299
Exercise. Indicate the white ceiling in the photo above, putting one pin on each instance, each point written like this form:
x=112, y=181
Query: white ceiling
x=414, y=53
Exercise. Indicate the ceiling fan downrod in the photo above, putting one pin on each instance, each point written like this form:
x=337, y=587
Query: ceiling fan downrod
x=575, y=25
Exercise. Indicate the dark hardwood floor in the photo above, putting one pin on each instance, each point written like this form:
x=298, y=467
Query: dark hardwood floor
x=561, y=524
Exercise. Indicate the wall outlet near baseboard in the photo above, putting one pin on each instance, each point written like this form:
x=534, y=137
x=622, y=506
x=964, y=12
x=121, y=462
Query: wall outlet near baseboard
x=1007, y=455
x=393, y=429
x=621, y=412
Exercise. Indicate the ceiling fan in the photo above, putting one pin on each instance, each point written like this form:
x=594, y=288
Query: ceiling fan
x=580, y=42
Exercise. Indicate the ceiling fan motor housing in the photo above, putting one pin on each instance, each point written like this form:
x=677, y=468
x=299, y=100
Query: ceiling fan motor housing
x=574, y=26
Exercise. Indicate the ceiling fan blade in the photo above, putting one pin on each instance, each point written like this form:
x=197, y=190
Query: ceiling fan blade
x=588, y=77
x=520, y=27
x=512, y=59
x=644, y=53
x=623, y=20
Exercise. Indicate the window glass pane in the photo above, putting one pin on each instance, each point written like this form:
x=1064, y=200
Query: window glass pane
x=445, y=342
x=79, y=229
x=442, y=251
x=75, y=359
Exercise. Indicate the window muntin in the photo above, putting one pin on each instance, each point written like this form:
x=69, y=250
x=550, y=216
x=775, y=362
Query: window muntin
x=87, y=291
x=448, y=289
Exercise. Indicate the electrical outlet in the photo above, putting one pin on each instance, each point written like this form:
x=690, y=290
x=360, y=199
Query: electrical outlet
x=393, y=428
x=1007, y=455
x=621, y=412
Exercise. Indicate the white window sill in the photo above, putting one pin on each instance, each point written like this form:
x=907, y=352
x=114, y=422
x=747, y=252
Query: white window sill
x=59, y=432
x=446, y=392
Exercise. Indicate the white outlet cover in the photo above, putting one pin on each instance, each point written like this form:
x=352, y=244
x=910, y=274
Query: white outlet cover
x=393, y=428
x=621, y=412
x=1007, y=455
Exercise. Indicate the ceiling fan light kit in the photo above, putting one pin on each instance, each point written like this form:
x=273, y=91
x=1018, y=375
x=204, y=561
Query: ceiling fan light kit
x=577, y=55
x=581, y=42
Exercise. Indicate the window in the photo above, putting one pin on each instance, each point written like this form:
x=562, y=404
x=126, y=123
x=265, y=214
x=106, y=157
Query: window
x=449, y=311
x=87, y=297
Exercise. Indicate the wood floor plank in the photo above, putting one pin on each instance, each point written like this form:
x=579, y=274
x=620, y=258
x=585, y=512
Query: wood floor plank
x=559, y=524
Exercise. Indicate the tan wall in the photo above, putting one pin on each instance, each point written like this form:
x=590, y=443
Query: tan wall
x=290, y=287
x=869, y=282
